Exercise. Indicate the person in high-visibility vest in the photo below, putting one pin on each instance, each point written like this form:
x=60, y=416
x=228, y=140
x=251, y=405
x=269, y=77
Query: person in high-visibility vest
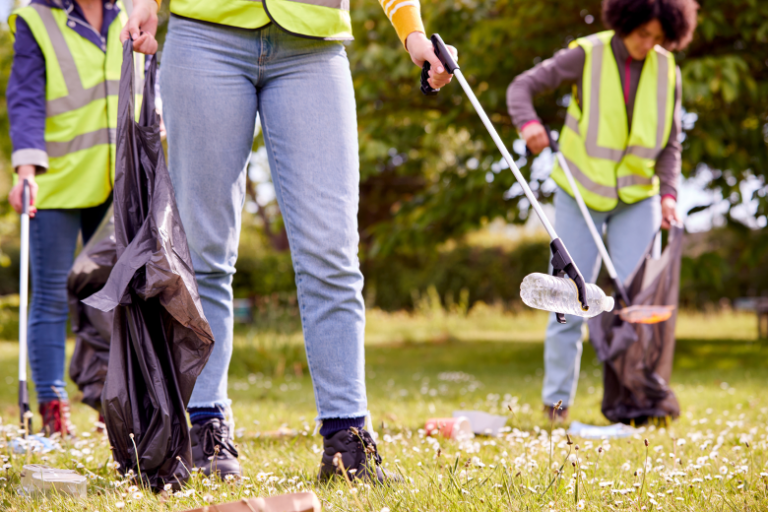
x=621, y=140
x=223, y=62
x=62, y=107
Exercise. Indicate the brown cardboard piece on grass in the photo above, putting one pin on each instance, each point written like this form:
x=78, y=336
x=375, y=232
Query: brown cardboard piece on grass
x=297, y=502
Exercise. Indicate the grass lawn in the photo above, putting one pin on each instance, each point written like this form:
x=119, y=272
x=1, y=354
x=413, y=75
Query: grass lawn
x=714, y=457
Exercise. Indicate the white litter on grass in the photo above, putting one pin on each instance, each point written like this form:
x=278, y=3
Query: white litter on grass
x=615, y=431
x=483, y=423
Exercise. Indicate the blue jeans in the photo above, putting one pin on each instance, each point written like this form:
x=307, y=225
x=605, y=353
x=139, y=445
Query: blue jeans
x=630, y=230
x=52, y=244
x=214, y=80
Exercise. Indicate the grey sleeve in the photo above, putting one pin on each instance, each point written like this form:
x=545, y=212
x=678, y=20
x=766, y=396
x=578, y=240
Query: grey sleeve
x=669, y=161
x=565, y=66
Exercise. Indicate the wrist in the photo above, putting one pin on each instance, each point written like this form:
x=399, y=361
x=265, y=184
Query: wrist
x=415, y=35
x=668, y=196
x=26, y=172
x=152, y=5
x=528, y=123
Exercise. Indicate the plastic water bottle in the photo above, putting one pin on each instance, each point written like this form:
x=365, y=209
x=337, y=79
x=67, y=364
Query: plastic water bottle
x=559, y=295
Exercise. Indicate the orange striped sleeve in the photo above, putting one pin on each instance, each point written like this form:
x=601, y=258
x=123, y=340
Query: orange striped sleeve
x=405, y=16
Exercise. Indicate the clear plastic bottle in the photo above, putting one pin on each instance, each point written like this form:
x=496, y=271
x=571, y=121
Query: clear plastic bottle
x=558, y=294
x=38, y=478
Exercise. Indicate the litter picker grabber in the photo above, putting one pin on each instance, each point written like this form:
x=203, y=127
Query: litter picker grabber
x=562, y=264
x=26, y=423
x=628, y=313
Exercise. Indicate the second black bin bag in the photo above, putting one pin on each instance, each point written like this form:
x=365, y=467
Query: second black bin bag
x=161, y=339
x=92, y=327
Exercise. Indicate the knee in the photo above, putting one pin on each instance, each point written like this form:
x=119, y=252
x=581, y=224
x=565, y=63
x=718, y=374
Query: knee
x=334, y=269
x=51, y=302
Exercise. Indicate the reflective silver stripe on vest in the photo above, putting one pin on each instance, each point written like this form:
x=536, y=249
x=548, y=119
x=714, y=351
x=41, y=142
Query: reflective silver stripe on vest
x=572, y=123
x=83, y=141
x=334, y=4
x=592, y=148
x=662, y=91
x=628, y=181
x=588, y=184
x=77, y=96
x=81, y=98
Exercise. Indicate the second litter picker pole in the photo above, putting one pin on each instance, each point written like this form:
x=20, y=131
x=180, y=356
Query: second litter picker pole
x=23, y=300
x=562, y=264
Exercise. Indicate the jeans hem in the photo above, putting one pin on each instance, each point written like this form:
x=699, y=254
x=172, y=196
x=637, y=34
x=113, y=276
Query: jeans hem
x=359, y=414
x=42, y=399
x=218, y=403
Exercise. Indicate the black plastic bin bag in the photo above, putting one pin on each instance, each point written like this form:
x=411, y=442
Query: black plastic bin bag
x=638, y=358
x=92, y=327
x=160, y=337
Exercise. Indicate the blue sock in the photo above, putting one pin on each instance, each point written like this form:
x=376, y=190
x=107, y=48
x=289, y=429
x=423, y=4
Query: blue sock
x=203, y=414
x=333, y=425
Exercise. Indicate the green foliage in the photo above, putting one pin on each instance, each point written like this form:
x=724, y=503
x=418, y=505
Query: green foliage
x=6, y=57
x=426, y=161
x=487, y=274
x=725, y=79
x=730, y=264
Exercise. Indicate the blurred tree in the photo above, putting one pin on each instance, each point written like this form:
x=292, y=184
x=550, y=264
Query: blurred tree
x=431, y=172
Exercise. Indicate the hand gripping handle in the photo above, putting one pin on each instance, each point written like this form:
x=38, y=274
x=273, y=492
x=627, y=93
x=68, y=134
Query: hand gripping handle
x=446, y=59
x=552, y=143
x=563, y=265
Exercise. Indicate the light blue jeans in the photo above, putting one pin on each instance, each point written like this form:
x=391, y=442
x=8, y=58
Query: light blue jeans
x=629, y=232
x=214, y=80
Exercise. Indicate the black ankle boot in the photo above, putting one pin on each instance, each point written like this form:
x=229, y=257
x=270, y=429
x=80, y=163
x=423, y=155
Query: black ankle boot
x=354, y=451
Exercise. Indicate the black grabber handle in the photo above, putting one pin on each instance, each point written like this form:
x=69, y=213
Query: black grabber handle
x=25, y=198
x=562, y=265
x=445, y=58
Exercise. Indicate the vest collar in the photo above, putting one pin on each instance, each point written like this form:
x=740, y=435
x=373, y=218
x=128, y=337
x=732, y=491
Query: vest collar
x=620, y=50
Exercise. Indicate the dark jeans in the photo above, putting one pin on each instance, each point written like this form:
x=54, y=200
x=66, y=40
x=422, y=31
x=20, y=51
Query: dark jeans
x=53, y=240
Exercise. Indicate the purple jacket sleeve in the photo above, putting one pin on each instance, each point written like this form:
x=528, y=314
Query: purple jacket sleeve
x=26, y=100
x=565, y=66
x=668, y=163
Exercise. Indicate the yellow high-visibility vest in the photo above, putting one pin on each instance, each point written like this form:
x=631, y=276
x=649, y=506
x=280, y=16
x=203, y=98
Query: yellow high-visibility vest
x=82, y=83
x=608, y=161
x=319, y=19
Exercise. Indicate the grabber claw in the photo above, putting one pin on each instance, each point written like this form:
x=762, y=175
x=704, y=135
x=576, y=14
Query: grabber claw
x=563, y=265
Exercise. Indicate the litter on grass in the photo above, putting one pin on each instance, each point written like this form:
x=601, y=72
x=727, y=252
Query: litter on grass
x=483, y=423
x=615, y=431
x=457, y=428
x=296, y=502
x=34, y=443
x=41, y=479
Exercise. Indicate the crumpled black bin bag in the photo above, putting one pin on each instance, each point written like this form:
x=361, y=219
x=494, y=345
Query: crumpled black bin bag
x=161, y=339
x=638, y=358
x=92, y=327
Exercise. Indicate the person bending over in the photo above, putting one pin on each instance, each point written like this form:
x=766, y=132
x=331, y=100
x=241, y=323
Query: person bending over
x=620, y=140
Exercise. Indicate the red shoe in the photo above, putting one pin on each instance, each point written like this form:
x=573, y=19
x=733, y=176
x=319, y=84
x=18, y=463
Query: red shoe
x=56, y=418
x=557, y=415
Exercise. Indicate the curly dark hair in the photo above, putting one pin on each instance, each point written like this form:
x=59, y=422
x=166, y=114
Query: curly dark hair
x=677, y=18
